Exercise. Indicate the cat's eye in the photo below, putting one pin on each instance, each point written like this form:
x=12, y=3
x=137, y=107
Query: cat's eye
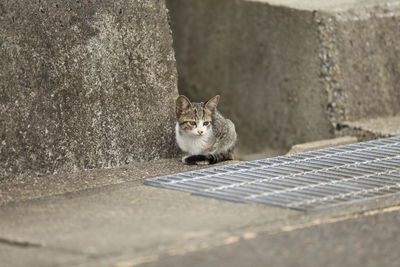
x=206, y=123
x=193, y=123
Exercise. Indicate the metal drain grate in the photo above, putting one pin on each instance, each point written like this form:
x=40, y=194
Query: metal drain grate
x=305, y=181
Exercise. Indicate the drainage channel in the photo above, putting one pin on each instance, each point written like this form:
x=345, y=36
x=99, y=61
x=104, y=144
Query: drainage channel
x=306, y=181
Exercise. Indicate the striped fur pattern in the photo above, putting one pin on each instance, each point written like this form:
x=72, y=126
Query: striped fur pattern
x=203, y=133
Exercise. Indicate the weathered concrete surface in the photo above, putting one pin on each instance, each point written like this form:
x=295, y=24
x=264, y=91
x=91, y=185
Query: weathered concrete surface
x=373, y=128
x=267, y=153
x=329, y=5
x=130, y=222
x=339, y=141
x=37, y=256
x=122, y=222
x=361, y=60
x=368, y=241
x=84, y=84
x=289, y=71
x=253, y=54
x=26, y=187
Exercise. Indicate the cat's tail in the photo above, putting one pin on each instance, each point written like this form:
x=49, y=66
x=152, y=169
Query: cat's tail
x=203, y=159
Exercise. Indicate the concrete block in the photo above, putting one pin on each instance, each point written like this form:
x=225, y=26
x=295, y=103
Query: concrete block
x=367, y=129
x=338, y=141
x=84, y=84
x=289, y=71
x=360, y=55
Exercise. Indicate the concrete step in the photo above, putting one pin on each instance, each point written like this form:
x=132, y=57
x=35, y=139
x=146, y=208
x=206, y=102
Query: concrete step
x=28, y=187
x=338, y=141
x=373, y=128
x=84, y=84
x=289, y=71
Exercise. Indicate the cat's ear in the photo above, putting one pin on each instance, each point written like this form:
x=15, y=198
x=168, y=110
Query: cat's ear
x=182, y=104
x=212, y=103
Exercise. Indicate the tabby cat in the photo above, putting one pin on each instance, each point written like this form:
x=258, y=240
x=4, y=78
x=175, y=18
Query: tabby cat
x=203, y=133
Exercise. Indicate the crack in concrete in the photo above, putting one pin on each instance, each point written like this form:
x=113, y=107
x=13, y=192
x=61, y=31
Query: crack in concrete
x=28, y=244
x=17, y=243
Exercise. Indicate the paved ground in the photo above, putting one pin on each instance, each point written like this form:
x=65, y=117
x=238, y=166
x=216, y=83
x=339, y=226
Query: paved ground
x=367, y=241
x=127, y=224
x=29, y=187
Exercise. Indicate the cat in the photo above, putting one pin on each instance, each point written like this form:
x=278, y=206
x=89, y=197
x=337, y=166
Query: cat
x=203, y=133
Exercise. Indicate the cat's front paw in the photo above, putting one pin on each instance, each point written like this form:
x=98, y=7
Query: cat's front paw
x=186, y=160
x=203, y=162
x=196, y=160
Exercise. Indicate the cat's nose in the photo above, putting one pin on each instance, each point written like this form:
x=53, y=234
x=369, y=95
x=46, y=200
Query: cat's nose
x=200, y=132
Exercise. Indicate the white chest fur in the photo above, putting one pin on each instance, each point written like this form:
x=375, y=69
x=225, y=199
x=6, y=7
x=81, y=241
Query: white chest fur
x=193, y=144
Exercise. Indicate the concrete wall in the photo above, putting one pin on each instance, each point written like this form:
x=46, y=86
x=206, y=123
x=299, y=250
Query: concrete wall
x=84, y=84
x=254, y=55
x=363, y=45
x=289, y=71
